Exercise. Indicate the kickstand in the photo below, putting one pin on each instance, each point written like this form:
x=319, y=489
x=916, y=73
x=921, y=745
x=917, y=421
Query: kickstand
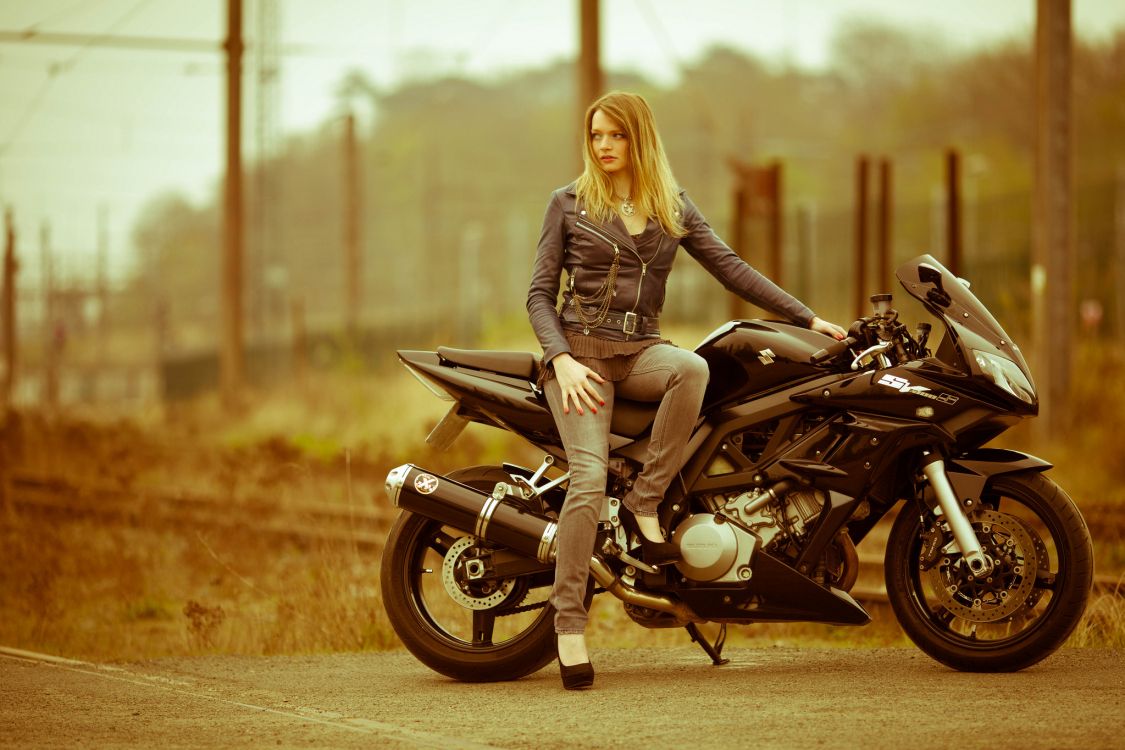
x=713, y=650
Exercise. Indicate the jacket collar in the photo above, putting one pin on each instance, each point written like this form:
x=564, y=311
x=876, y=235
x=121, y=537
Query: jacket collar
x=615, y=226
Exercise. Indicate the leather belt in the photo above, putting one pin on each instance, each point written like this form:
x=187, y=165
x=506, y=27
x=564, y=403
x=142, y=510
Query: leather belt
x=628, y=323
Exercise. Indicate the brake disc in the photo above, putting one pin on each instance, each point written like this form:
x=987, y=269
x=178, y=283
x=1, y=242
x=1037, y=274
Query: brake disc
x=1042, y=559
x=461, y=588
x=1015, y=554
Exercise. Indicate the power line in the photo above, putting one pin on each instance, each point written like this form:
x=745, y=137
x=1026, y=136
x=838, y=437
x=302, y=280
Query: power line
x=92, y=41
x=656, y=26
x=58, y=68
x=57, y=16
x=65, y=39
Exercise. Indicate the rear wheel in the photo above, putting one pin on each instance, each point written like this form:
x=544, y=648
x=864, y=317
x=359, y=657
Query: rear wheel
x=1021, y=612
x=453, y=616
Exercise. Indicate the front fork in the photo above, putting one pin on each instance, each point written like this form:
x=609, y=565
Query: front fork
x=949, y=506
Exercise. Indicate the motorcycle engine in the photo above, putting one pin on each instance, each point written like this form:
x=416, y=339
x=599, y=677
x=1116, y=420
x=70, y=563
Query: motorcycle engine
x=718, y=547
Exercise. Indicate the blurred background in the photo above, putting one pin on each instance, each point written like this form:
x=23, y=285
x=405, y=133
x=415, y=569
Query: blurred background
x=396, y=159
x=223, y=217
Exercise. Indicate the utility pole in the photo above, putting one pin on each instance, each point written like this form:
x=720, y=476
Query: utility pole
x=739, y=308
x=103, y=285
x=299, y=341
x=231, y=355
x=9, y=310
x=953, y=239
x=1052, y=275
x=590, y=83
x=884, y=282
x=773, y=213
x=861, y=293
x=1119, y=242
x=265, y=254
x=806, y=249
x=9, y=331
x=757, y=193
x=352, y=239
x=52, y=335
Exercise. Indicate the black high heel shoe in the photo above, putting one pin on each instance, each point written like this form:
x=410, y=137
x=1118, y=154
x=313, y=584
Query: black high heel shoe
x=577, y=676
x=653, y=553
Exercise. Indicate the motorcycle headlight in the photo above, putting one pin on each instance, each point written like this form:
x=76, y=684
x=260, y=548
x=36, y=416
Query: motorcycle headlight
x=1006, y=374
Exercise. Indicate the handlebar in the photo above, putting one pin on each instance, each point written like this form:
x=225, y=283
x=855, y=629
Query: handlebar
x=871, y=351
x=833, y=350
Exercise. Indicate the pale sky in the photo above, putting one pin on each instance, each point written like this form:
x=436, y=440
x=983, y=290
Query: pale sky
x=84, y=127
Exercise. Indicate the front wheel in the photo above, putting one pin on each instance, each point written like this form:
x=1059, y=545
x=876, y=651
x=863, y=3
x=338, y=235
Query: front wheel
x=1025, y=608
x=449, y=613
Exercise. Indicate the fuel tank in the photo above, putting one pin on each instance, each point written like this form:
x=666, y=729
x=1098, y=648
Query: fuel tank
x=749, y=357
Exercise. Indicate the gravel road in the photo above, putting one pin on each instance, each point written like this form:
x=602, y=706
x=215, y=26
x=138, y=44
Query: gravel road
x=644, y=698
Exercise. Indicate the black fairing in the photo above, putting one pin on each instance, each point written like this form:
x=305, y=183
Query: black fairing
x=969, y=326
x=753, y=357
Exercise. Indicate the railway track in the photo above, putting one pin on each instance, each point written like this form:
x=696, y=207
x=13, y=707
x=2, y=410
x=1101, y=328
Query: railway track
x=362, y=526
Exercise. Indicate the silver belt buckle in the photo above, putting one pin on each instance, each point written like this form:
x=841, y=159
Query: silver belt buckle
x=630, y=326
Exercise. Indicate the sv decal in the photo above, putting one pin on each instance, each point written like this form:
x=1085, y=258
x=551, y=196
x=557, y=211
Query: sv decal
x=902, y=385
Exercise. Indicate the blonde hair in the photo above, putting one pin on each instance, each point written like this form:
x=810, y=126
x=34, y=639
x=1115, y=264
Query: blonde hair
x=654, y=187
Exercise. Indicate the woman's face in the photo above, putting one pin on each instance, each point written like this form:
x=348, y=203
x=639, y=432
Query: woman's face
x=611, y=146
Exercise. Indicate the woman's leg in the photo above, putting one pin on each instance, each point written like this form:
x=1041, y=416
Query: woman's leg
x=586, y=440
x=678, y=379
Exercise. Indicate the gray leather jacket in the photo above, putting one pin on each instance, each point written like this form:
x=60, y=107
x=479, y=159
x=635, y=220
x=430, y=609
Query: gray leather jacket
x=571, y=240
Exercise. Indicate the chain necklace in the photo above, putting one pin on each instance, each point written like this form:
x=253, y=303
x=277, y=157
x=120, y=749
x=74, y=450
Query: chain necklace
x=627, y=207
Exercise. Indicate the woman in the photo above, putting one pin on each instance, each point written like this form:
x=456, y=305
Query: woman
x=615, y=232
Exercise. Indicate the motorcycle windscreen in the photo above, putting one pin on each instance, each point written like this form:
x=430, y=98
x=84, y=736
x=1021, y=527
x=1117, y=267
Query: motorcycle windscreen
x=949, y=298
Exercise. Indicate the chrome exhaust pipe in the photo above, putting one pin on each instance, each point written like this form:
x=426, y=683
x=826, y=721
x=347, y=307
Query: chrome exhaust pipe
x=493, y=518
x=609, y=581
x=486, y=516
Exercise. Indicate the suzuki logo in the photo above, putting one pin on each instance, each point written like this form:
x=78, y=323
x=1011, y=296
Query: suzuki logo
x=766, y=356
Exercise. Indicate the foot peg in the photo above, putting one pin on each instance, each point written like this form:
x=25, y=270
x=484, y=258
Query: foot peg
x=628, y=559
x=714, y=650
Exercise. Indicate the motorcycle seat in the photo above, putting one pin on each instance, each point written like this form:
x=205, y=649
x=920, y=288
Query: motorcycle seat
x=630, y=418
x=517, y=364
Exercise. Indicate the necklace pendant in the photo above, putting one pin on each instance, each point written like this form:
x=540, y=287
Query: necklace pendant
x=628, y=208
x=585, y=331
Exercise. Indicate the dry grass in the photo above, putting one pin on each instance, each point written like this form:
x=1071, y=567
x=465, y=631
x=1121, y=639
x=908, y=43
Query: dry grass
x=134, y=589
x=91, y=590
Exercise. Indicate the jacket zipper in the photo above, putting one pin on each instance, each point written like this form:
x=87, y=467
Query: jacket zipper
x=604, y=235
x=613, y=241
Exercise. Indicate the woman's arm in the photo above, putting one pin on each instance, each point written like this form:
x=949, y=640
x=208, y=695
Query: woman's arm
x=543, y=295
x=574, y=378
x=735, y=274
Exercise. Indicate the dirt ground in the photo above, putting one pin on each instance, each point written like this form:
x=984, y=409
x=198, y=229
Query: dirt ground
x=650, y=698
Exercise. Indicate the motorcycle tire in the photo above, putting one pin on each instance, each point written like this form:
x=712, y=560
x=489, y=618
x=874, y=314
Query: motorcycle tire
x=1018, y=616
x=408, y=564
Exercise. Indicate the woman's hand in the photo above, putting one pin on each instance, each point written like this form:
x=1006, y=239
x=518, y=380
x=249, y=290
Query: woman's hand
x=828, y=329
x=574, y=380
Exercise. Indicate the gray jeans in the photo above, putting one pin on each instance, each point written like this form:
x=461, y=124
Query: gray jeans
x=675, y=377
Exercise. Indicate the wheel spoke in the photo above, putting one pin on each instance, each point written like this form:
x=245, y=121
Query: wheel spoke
x=944, y=616
x=440, y=542
x=483, y=623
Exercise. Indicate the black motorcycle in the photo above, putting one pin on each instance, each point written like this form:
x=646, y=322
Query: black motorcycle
x=799, y=451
